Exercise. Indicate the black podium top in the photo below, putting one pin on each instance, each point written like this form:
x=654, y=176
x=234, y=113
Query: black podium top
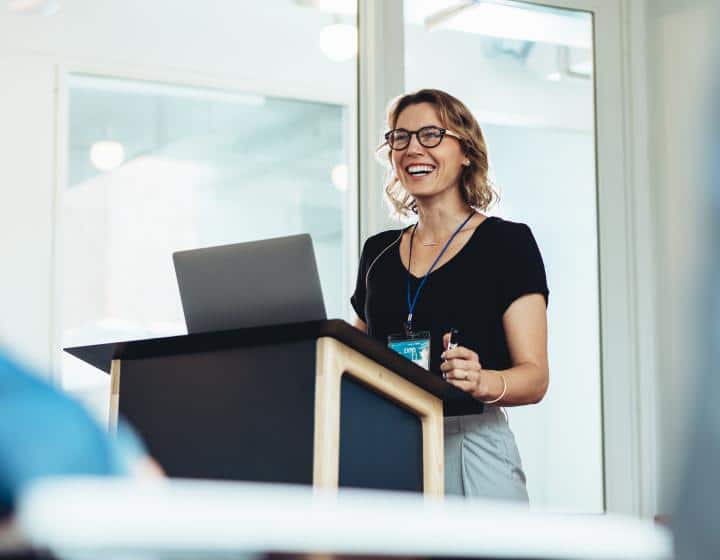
x=455, y=402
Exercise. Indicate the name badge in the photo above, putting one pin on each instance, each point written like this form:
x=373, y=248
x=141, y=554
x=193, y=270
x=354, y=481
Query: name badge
x=414, y=346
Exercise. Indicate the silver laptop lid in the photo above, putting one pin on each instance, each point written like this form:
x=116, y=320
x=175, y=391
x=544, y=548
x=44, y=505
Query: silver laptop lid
x=267, y=282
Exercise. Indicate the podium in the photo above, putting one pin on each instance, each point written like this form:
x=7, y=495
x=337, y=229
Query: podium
x=315, y=403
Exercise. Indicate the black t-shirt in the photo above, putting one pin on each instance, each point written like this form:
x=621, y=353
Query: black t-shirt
x=498, y=264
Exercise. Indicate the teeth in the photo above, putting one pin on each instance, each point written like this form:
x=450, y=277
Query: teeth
x=420, y=169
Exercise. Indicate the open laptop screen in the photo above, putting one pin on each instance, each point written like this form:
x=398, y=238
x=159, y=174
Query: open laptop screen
x=259, y=283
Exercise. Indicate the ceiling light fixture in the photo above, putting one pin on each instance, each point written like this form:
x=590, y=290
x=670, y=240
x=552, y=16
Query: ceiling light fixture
x=339, y=176
x=107, y=155
x=338, y=41
x=509, y=20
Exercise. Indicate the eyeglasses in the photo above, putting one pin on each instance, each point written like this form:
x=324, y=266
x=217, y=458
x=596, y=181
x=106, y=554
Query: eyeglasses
x=428, y=136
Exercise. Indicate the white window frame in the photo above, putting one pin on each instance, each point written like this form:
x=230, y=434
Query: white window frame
x=303, y=91
x=626, y=280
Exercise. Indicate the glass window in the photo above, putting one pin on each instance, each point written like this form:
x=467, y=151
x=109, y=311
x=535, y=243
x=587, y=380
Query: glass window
x=526, y=72
x=154, y=167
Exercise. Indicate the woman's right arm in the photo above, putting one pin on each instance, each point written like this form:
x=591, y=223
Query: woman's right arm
x=360, y=325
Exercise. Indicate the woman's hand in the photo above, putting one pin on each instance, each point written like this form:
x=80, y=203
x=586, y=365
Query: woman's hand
x=461, y=367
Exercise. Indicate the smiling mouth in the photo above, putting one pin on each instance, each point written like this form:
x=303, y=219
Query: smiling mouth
x=419, y=170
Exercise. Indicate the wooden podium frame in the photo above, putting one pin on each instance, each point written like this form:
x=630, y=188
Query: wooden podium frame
x=335, y=360
x=340, y=352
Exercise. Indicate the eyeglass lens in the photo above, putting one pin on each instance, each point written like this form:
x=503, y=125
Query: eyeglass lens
x=428, y=136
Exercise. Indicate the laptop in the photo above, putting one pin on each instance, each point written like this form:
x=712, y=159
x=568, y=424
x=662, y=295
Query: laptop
x=259, y=283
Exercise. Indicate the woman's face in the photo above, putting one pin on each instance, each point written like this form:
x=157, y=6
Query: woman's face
x=426, y=172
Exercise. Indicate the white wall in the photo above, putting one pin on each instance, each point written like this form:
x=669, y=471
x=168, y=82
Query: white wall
x=680, y=42
x=27, y=172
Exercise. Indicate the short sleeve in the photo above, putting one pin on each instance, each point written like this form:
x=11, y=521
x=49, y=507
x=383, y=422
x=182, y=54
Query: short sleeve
x=357, y=300
x=523, y=270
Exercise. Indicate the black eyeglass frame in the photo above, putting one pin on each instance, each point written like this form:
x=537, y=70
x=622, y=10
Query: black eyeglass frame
x=443, y=132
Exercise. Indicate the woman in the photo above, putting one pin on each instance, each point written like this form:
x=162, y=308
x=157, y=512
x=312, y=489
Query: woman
x=457, y=268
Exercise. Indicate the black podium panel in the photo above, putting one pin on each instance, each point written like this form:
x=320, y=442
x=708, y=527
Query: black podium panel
x=455, y=402
x=243, y=414
x=380, y=442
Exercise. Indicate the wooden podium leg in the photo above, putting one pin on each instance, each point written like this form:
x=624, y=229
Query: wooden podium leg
x=326, y=451
x=114, y=396
x=433, y=434
x=335, y=359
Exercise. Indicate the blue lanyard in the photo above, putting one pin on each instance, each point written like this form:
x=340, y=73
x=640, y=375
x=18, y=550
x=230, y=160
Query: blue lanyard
x=412, y=301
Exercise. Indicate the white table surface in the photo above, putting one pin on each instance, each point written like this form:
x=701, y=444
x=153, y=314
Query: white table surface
x=84, y=517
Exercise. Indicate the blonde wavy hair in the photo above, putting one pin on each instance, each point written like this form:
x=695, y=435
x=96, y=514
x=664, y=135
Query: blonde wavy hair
x=476, y=188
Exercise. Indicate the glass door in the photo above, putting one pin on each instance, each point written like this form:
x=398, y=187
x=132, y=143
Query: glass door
x=526, y=72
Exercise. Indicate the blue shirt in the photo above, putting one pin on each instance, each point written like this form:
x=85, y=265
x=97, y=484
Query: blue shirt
x=44, y=432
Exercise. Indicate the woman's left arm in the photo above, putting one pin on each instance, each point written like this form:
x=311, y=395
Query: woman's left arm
x=526, y=382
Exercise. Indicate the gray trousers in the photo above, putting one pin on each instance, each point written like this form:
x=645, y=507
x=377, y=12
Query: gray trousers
x=481, y=457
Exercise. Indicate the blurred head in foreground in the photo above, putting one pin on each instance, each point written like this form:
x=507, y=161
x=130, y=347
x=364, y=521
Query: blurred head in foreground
x=44, y=432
